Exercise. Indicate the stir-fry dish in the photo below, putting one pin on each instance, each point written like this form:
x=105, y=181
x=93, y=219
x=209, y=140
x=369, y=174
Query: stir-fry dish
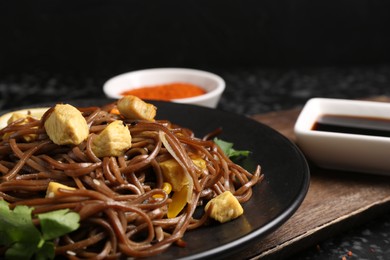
x=109, y=182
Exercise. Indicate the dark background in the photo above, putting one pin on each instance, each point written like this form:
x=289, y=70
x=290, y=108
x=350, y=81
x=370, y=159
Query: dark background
x=96, y=36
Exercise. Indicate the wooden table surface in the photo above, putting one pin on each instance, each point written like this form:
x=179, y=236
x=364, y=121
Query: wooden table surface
x=336, y=201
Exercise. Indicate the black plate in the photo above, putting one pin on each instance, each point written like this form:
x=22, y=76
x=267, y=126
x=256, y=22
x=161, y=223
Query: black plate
x=274, y=200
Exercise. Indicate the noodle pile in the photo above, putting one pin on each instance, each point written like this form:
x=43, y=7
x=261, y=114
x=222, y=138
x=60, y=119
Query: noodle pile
x=120, y=200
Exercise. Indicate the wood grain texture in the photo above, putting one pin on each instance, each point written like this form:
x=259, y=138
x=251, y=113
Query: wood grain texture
x=335, y=201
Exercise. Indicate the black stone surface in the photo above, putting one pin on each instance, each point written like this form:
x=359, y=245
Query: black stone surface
x=248, y=90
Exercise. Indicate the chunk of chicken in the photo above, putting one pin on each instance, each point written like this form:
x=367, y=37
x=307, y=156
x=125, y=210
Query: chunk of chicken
x=10, y=117
x=132, y=107
x=52, y=189
x=173, y=172
x=66, y=125
x=16, y=116
x=224, y=207
x=23, y=116
x=114, y=140
x=19, y=116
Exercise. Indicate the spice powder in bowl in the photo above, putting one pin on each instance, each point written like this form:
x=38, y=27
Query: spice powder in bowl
x=179, y=85
x=167, y=92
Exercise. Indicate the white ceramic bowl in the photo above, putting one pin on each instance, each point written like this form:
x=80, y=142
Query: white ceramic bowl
x=344, y=151
x=213, y=84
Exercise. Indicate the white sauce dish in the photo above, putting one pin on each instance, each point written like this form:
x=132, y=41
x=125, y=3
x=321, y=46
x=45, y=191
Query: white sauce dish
x=346, y=148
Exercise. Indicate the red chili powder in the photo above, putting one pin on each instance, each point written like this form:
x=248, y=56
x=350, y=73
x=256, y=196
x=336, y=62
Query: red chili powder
x=167, y=91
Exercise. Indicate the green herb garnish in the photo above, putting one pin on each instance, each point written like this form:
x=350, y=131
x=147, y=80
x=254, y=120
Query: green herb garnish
x=228, y=149
x=24, y=240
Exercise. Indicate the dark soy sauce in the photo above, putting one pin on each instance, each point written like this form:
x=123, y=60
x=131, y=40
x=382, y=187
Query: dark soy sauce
x=361, y=125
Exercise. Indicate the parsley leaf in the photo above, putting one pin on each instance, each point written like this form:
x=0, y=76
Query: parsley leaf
x=18, y=231
x=46, y=251
x=57, y=223
x=228, y=149
x=24, y=240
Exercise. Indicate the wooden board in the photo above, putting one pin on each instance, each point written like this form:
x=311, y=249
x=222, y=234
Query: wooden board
x=335, y=201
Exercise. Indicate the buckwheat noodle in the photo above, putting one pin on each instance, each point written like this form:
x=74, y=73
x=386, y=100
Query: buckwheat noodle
x=115, y=196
